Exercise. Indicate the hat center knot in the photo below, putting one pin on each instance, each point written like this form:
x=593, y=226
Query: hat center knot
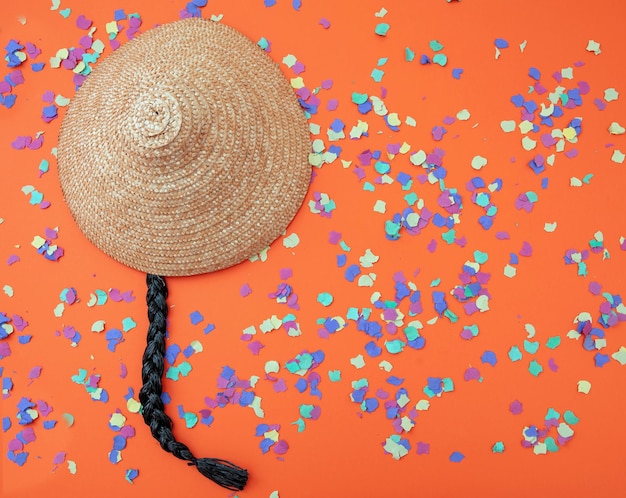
x=157, y=119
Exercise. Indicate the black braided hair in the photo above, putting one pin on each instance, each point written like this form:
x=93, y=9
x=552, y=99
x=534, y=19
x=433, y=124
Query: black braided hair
x=222, y=472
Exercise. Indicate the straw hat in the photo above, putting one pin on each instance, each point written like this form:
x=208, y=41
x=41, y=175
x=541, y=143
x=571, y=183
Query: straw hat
x=185, y=151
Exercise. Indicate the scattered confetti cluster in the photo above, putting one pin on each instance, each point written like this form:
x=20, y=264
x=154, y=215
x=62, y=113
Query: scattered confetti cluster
x=417, y=193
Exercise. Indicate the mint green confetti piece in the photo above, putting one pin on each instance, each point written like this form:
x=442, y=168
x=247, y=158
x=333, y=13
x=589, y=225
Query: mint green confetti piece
x=553, y=342
x=535, y=368
x=184, y=368
x=552, y=414
x=359, y=98
x=515, y=354
x=382, y=29
x=498, y=447
x=306, y=411
x=395, y=346
x=570, y=417
x=565, y=430
x=551, y=445
x=369, y=187
x=191, y=419
x=393, y=447
x=409, y=55
x=334, y=375
x=435, y=46
x=377, y=75
x=411, y=198
x=301, y=424
x=531, y=347
x=480, y=257
x=449, y=236
x=440, y=59
x=325, y=298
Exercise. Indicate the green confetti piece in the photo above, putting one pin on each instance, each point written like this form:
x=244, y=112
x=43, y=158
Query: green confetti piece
x=515, y=354
x=359, y=98
x=565, y=430
x=325, y=298
x=480, y=257
x=301, y=424
x=382, y=29
x=334, y=375
x=498, y=447
x=409, y=55
x=394, y=346
x=551, y=445
x=306, y=411
x=535, y=368
x=553, y=342
x=552, y=414
x=440, y=59
x=435, y=46
x=531, y=347
x=377, y=75
x=570, y=417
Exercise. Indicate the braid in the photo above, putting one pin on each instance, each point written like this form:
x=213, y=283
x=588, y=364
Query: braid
x=222, y=472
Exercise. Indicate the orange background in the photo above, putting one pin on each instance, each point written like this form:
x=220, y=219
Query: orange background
x=341, y=453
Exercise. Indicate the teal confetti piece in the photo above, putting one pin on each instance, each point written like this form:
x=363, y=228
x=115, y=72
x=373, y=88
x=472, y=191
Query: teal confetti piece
x=515, y=354
x=553, y=342
x=498, y=447
x=531, y=347
x=325, y=298
x=382, y=29
x=535, y=368
x=570, y=417
x=435, y=46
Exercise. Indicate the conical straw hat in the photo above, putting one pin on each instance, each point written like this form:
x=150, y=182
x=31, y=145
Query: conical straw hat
x=185, y=151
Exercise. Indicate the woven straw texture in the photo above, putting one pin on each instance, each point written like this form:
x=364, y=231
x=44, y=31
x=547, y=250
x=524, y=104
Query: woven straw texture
x=185, y=151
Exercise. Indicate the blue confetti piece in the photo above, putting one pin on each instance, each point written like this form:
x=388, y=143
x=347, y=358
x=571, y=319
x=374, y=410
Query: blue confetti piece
x=370, y=404
x=534, y=73
x=456, y=73
x=119, y=15
x=209, y=328
x=269, y=3
x=601, y=359
x=196, y=317
x=435, y=384
x=189, y=351
x=37, y=66
x=395, y=381
x=119, y=443
x=227, y=373
x=8, y=101
x=266, y=444
x=518, y=100
x=302, y=385
x=113, y=456
x=352, y=272
x=247, y=398
x=489, y=357
x=501, y=43
x=200, y=3
x=373, y=350
x=457, y=457
x=358, y=396
x=6, y=424
x=296, y=4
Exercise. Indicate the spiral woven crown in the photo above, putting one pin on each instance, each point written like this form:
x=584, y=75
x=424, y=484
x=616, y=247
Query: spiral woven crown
x=185, y=151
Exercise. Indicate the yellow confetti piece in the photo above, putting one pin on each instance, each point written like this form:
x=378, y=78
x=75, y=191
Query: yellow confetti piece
x=393, y=119
x=594, y=46
x=366, y=280
x=528, y=143
x=410, y=121
x=381, y=13
x=314, y=128
x=380, y=207
x=611, y=94
x=584, y=386
x=291, y=241
x=256, y=406
x=463, y=115
x=289, y=60
x=358, y=361
x=111, y=28
x=418, y=158
x=58, y=310
x=133, y=405
x=272, y=366
x=98, y=46
x=297, y=82
x=385, y=366
x=620, y=355
x=38, y=242
x=510, y=271
x=616, y=129
x=569, y=133
x=422, y=405
x=479, y=162
x=525, y=127
x=618, y=156
x=368, y=259
x=61, y=101
x=71, y=466
x=567, y=73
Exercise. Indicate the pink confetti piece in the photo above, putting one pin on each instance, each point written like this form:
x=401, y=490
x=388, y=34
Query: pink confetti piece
x=245, y=290
x=325, y=23
x=17, y=77
x=34, y=373
x=59, y=458
x=281, y=447
x=13, y=258
x=21, y=142
x=83, y=23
